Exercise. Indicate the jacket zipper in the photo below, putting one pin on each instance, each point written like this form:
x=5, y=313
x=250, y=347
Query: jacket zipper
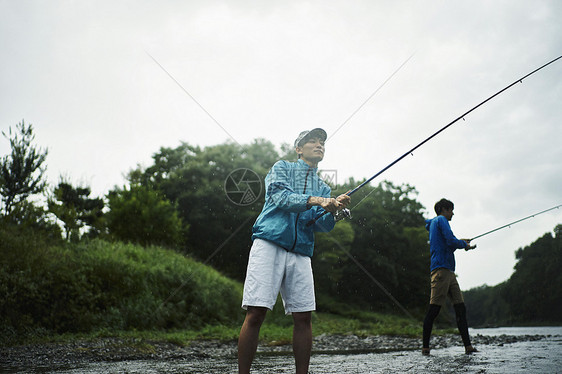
x=298, y=214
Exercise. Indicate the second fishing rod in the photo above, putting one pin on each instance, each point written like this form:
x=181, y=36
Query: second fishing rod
x=520, y=80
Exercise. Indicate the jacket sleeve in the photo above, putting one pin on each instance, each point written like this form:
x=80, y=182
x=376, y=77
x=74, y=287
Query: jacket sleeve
x=450, y=239
x=327, y=221
x=280, y=191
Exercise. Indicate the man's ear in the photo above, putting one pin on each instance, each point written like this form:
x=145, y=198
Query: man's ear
x=299, y=151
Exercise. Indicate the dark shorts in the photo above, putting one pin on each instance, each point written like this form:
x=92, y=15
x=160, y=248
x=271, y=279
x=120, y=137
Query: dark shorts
x=444, y=284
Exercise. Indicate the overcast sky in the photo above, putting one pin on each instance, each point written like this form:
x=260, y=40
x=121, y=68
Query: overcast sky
x=81, y=73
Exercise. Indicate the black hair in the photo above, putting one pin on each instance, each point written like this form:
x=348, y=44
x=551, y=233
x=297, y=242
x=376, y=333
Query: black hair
x=443, y=204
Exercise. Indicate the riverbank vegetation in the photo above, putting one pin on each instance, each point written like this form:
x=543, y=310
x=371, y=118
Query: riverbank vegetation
x=273, y=332
x=96, y=288
x=166, y=254
x=97, y=285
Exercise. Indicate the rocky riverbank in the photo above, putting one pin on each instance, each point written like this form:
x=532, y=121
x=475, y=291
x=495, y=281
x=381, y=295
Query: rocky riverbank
x=112, y=349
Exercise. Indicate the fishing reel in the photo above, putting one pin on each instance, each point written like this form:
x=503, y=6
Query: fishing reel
x=341, y=214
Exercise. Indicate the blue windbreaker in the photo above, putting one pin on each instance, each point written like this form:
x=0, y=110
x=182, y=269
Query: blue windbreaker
x=285, y=214
x=442, y=243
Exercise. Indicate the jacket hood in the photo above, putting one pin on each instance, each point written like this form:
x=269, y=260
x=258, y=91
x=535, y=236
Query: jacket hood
x=427, y=223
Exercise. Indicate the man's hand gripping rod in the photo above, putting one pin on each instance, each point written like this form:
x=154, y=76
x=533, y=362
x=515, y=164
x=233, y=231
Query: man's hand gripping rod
x=520, y=80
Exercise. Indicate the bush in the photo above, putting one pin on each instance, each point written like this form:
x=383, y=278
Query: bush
x=93, y=285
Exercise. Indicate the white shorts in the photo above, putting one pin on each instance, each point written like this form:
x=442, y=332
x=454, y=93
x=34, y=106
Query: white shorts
x=272, y=269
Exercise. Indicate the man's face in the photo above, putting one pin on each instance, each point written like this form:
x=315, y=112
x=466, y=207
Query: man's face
x=447, y=213
x=312, y=150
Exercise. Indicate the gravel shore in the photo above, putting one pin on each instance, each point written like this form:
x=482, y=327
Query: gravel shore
x=113, y=349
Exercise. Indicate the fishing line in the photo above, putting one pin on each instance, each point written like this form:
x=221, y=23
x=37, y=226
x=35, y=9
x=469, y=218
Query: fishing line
x=514, y=222
x=520, y=80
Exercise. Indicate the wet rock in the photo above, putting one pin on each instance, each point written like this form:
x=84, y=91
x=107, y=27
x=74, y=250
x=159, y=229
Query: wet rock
x=58, y=355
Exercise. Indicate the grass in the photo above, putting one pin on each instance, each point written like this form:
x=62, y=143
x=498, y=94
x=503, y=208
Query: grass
x=271, y=333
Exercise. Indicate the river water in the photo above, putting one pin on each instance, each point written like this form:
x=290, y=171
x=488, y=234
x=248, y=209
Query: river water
x=543, y=355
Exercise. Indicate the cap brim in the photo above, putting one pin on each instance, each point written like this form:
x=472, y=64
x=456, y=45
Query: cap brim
x=314, y=133
x=317, y=132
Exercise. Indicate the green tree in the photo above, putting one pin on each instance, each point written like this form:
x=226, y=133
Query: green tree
x=194, y=179
x=331, y=258
x=30, y=218
x=390, y=242
x=487, y=306
x=74, y=207
x=530, y=295
x=22, y=171
x=141, y=215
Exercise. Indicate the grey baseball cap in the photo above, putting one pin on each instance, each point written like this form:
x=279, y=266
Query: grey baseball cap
x=305, y=135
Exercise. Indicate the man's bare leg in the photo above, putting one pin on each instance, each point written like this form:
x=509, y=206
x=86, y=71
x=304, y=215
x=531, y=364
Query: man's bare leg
x=302, y=341
x=248, y=340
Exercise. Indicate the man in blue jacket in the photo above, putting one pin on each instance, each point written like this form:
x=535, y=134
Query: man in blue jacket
x=283, y=244
x=442, y=244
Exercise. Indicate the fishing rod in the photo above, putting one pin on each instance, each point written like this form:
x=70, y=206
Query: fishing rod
x=514, y=222
x=520, y=80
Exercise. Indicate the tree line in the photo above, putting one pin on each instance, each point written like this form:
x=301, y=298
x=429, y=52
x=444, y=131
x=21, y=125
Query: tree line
x=180, y=202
